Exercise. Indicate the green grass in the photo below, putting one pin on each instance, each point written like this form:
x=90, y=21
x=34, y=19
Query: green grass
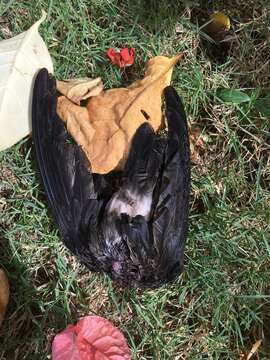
x=220, y=305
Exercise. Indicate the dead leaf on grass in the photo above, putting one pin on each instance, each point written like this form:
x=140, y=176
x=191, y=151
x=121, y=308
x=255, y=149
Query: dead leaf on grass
x=77, y=121
x=105, y=133
x=20, y=58
x=79, y=89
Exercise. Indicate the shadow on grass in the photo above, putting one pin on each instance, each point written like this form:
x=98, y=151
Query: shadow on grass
x=33, y=315
x=22, y=331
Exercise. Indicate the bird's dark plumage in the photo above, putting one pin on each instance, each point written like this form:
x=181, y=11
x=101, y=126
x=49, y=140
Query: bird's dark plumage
x=131, y=224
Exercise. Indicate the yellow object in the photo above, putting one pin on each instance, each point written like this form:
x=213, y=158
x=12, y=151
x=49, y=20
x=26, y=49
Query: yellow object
x=218, y=26
x=220, y=21
x=20, y=59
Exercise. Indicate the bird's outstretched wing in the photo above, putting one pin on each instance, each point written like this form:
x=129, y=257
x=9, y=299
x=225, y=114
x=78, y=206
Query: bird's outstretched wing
x=171, y=199
x=65, y=173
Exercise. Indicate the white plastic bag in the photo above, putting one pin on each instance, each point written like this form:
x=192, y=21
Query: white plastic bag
x=20, y=59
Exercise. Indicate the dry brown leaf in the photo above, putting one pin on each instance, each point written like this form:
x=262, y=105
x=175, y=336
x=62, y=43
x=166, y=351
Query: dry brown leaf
x=4, y=294
x=80, y=89
x=77, y=121
x=114, y=116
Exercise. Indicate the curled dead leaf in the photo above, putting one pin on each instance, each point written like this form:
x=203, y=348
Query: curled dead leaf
x=105, y=133
x=21, y=57
x=4, y=294
x=80, y=89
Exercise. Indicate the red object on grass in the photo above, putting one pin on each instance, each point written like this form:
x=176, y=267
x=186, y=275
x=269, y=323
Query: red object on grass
x=124, y=57
x=92, y=338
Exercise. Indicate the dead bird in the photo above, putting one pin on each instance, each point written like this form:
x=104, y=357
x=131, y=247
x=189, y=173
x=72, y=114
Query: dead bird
x=131, y=224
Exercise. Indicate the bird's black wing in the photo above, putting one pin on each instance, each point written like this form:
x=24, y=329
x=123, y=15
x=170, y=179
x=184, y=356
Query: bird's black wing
x=65, y=173
x=171, y=196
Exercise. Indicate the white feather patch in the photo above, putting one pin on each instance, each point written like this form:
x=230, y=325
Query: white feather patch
x=131, y=204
